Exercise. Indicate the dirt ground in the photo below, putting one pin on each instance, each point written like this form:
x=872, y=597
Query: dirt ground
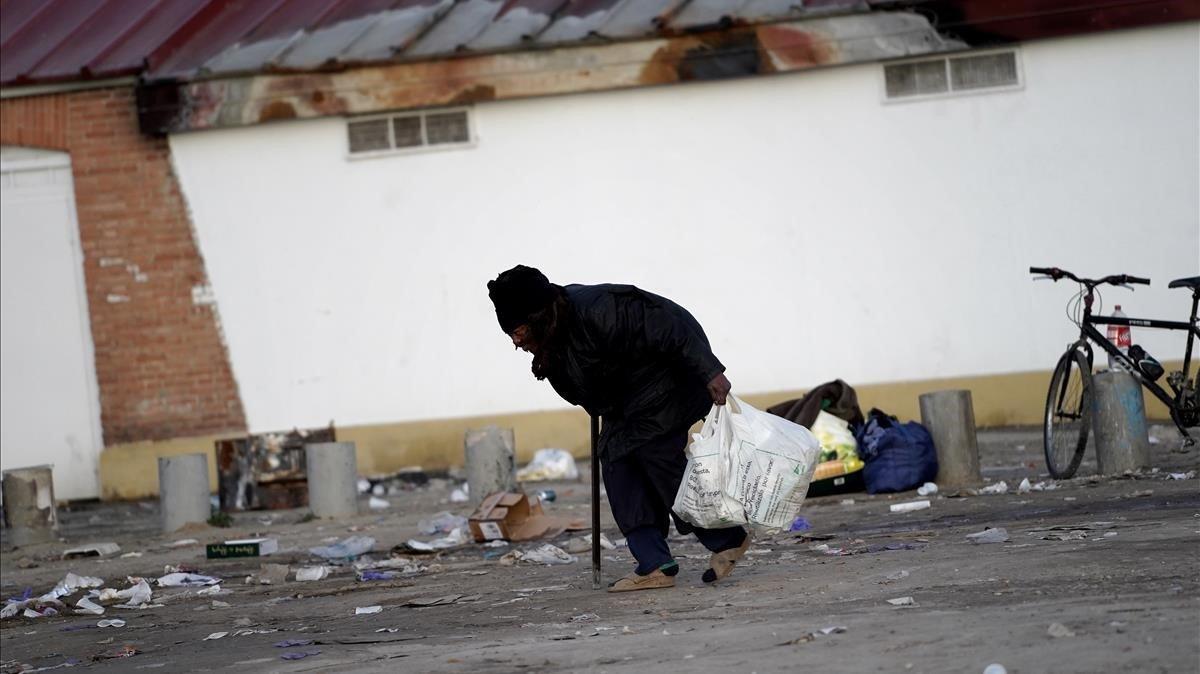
x=1123, y=589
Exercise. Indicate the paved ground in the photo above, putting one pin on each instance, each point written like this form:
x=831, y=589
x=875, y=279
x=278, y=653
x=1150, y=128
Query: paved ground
x=1124, y=588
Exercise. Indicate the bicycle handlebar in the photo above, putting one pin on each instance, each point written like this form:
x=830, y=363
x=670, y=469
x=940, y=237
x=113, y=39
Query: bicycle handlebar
x=1115, y=279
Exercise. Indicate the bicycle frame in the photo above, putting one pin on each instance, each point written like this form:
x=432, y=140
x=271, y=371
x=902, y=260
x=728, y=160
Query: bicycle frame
x=1089, y=332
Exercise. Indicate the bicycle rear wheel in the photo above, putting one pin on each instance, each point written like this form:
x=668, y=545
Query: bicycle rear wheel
x=1068, y=414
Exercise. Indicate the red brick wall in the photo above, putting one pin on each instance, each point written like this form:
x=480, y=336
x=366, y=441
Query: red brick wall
x=160, y=360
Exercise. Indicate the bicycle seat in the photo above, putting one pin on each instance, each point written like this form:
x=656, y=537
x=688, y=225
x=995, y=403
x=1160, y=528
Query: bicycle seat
x=1192, y=282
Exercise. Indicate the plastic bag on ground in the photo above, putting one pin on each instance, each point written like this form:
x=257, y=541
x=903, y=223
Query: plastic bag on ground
x=186, y=580
x=837, y=441
x=549, y=464
x=442, y=523
x=69, y=584
x=345, y=549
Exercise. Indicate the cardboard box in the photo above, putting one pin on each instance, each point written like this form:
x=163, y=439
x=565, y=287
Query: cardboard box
x=514, y=516
x=249, y=547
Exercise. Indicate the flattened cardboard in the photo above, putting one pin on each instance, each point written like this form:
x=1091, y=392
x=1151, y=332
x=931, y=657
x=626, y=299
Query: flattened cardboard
x=514, y=516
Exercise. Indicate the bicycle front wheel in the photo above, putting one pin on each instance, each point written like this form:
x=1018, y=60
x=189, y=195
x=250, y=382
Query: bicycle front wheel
x=1068, y=414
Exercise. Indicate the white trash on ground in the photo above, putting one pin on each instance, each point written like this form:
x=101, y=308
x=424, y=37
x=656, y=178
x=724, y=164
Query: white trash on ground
x=927, y=489
x=442, y=523
x=453, y=539
x=345, y=549
x=549, y=464
x=1000, y=487
x=311, y=573
x=186, y=580
x=548, y=554
x=996, y=535
x=909, y=506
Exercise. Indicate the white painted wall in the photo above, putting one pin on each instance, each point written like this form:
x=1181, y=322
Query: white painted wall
x=49, y=401
x=814, y=230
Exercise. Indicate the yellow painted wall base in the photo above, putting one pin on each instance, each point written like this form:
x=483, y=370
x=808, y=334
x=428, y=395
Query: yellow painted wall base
x=130, y=471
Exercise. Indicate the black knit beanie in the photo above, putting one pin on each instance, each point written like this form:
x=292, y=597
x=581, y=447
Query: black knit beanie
x=518, y=294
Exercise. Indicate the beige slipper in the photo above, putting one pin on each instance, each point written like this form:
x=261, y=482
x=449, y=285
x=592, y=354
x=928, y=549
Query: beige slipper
x=721, y=563
x=651, y=581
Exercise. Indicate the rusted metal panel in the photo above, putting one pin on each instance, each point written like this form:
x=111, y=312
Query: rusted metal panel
x=266, y=471
x=735, y=52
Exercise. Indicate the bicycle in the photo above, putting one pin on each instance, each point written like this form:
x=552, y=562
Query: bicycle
x=1069, y=401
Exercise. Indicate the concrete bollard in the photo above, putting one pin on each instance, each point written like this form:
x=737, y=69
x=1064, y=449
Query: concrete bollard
x=29, y=510
x=183, y=494
x=490, y=458
x=950, y=418
x=1119, y=423
x=332, y=469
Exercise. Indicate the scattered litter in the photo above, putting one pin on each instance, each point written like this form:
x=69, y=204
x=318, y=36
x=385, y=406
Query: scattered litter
x=367, y=610
x=442, y=523
x=1076, y=535
x=92, y=550
x=459, y=495
x=549, y=464
x=897, y=575
x=187, y=580
x=927, y=489
x=183, y=543
x=1182, y=476
x=902, y=601
x=424, y=602
x=584, y=618
x=1109, y=534
x=211, y=589
x=584, y=544
x=995, y=668
x=128, y=555
x=1140, y=493
x=292, y=643
x=88, y=607
x=846, y=502
x=135, y=596
x=299, y=655
x=389, y=630
x=346, y=549
x=376, y=503
x=1024, y=487
x=909, y=506
x=454, y=539
x=1000, y=487
x=115, y=622
x=311, y=573
x=220, y=604
x=371, y=574
x=273, y=574
x=514, y=516
x=122, y=652
x=1059, y=630
x=545, y=554
x=216, y=635
x=800, y=524
x=993, y=535
x=805, y=638
x=247, y=547
x=69, y=584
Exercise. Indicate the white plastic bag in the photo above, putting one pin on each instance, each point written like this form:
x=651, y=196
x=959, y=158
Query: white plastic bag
x=702, y=499
x=771, y=465
x=549, y=464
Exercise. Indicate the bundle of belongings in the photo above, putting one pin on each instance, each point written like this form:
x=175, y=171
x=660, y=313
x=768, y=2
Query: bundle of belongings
x=875, y=453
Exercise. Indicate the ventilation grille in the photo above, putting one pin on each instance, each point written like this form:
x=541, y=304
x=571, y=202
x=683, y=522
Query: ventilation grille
x=931, y=77
x=409, y=131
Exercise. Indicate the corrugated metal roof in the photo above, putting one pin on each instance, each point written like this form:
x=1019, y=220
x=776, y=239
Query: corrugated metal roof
x=45, y=41
x=61, y=40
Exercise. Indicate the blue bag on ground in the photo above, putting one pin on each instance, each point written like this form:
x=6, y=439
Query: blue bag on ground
x=899, y=456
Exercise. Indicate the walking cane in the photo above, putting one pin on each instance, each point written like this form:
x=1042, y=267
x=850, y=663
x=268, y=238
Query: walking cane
x=597, y=579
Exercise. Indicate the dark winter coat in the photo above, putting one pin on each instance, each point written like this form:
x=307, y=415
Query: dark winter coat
x=639, y=361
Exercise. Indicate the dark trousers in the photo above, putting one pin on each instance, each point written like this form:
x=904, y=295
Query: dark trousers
x=641, y=489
